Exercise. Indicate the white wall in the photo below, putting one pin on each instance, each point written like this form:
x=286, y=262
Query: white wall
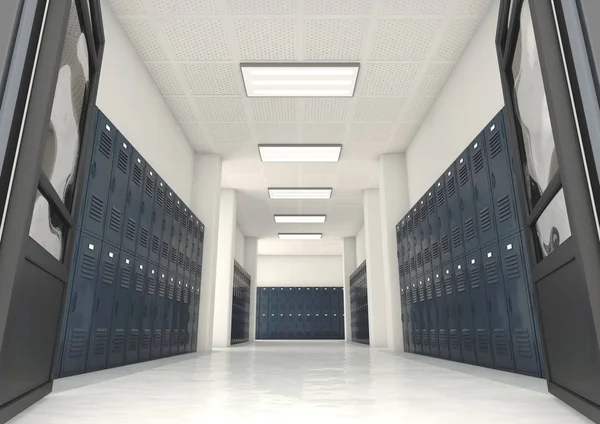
x=239, y=246
x=361, y=254
x=130, y=99
x=470, y=99
x=300, y=271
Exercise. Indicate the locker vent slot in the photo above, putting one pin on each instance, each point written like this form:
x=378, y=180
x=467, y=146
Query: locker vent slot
x=173, y=255
x=149, y=187
x=185, y=296
x=414, y=296
x=155, y=244
x=115, y=220
x=495, y=145
x=157, y=339
x=427, y=255
x=167, y=338
x=463, y=175
x=125, y=277
x=108, y=276
x=134, y=340
x=431, y=206
x=483, y=344
x=187, y=264
x=174, y=338
x=193, y=268
x=456, y=240
x=429, y=290
x=449, y=287
x=425, y=338
x=182, y=338
x=454, y=339
x=184, y=222
x=177, y=214
x=178, y=293
x=413, y=265
x=435, y=248
x=181, y=262
x=469, y=229
x=416, y=221
x=160, y=197
x=478, y=161
x=398, y=236
x=504, y=211
x=152, y=286
x=423, y=213
x=402, y=298
x=461, y=286
x=445, y=245
x=123, y=162
x=146, y=339
x=523, y=342
x=88, y=267
x=418, y=337
x=118, y=341
x=169, y=207
x=433, y=338
x=78, y=341
x=467, y=340
x=440, y=197
x=419, y=260
x=139, y=281
x=171, y=291
x=491, y=273
x=501, y=345
x=406, y=267
x=412, y=336
x=144, y=237
x=438, y=288
x=162, y=288
x=137, y=175
x=409, y=227
x=443, y=339
x=451, y=187
x=165, y=250
x=512, y=267
x=105, y=144
x=100, y=343
x=421, y=293
x=96, y=209
x=474, y=277
x=485, y=220
x=130, y=230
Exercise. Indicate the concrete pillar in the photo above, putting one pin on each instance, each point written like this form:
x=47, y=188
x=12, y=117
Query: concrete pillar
x=376, y=289
x=206, y=201
x=250, y=265
x=224, y=276
x=393, y=198
x=349, y=266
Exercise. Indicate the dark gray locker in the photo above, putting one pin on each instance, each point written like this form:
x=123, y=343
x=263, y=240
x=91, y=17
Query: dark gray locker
x=148, y=317
x=399, y=251
x=144, y=237
x=443, y=221
x=409, y=316
x=434, y=230
x=465, y=313
x=403, y=242
x=273, y=310
x=194, y=251
x=499, y=323
x=262, y=313
x=416, y=318
x=168, y=316
x=184, y=317
x=177, y=305
x=482, y=194
x=318, y=313
x=183, y=234
x=133, y=204
x=289, y=314
x=157, y=225
x=300, y=314
x=442, y=314
x=196, y=319
x=165, y=251
x=190, y=246
x=82, y=305
x=175, y=235
x=308, y=309
x=190, y=317
x=467, y=202
x=116, y=354
x=518, y=299
x=99, y=178
x=327, y=325
x=425, y=233
x=405, y=335
x=115, y=209
x=454, y=216
x=200, y=253
x=452, y=317
x=159, y=314
x=500, y=174
x=136, y=309
x=417, y=239
x=423, y=317
x=432, y=320
x=103, y=308
x=479, y=305
x=412, y=259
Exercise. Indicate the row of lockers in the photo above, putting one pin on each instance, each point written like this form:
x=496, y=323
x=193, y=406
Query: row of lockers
x=240, y=305
x=126, y=303
x=300, y=313
x=359, y=302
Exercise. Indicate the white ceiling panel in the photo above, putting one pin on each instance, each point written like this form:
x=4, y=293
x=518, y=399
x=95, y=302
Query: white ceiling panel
x=261, y=7
x=404, y=39
x=182, y=36
x=379, y=109
x=252, y=33
x=230, y=132
x=165, y=78
x=212, y=78
x=127, y=7
x=434, y=78
x=416, y=7
x=324, y=133
x=220, y=109
x=388, y=79
x=143, y=35
x=334, y=39
x=456, y=38
x=181, y=108
x=185, y=7
x=323, y=109
x=273, y=109
x=339, y=7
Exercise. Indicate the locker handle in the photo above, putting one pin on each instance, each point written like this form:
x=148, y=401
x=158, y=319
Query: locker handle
x=93, y=170
x=473, y=308
x=112, y=184
x=97, y=304
x=476, y=193
x=116, y=307
x=509, y=305
x=462, y=205
x=493, y=180
x=131, y=310
x=74, y=302
x=459, y=311
x=153, y=217
x=449, y=214
x=490, y=305
x=143, y=208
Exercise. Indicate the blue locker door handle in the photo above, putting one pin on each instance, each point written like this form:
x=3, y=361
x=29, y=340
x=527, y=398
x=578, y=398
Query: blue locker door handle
x=473, y=308
x=143, y=208
x=462, y=205
x=475, y=193
x=97, y=304
x=509, y=305
x=112, y=184
x=131, y=310
x=490, y=305
x=93, y=170
x=75, y=302
x=493, y=180
x=116, y=307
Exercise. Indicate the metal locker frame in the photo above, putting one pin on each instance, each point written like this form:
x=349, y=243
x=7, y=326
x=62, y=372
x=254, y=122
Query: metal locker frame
x=454, y=215
x=175, y=234
x=158, y=223
x=434, y=229
x=121, y=308
x=168, y=316
x=443, y=221
x=432, y=319
x=117, y=198
x=148, y=318
x=423, y=316
x=442, y=313
x=145, y=223
x=452, y=317
x=183, y=239
x=479, y=305
x=134, y=203
x=417, y=240
x=136, y=308
x=425, y=234
x=465, y=313
x=159, y=313
x=467, y=202
x=176, y=318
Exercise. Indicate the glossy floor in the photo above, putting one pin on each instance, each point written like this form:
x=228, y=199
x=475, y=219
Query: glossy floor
x=299, y=382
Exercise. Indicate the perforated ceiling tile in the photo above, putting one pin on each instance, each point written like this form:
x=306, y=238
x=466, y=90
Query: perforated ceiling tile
x=339, y=7
x=196, y=40
x=403, y=136
x=266, y=39
x=379, y=109
x=417, y=108
x=334, y=39
x=185, y=7
x=415, y=7
x=196, y=137
x=212, y=78
x=320, y=168
x=371, y=133
x=324, y=133
x=277, y=133
x=261, y=7
x=404, y=39
x=388, y=79
x=165, y=78
x=181, y=109
x=434, y=79
x=317, y=180
x=273, y=109
x=229, y=133
x=326, y=109
x=127, y=7
x=455, y=39
x=220, y=109
x=143, y=37
x=474, y=7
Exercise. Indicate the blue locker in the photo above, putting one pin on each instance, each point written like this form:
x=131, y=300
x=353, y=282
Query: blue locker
x=175, y=235
x=290, y=313
x=177, y=302
x=408, y=316
x=136, y=309
x=423, y=317
x=165, y=252
x=442, y=314
x=425, y=233
x=318, y=311
x=432, y=320
x=340, y=313
x=154, y=256
x=412, y=259
x=168, y=316
x=148, y=318
x=454, y=216
x=501, y=175
x=403, y=243
x=443, y=221
x=497, y=310
x=200, y=253
x=518, y=298
x=120, y=319
x=159, y=314
x=467, y=202
x=479, y=306
x=117, y=199
x=299, y=308
x=399, y=251
x=191, y=246
x=273, y=301
x=103, y=308
x=327, y=329
x=183, y=240
x=81, y=305
x=453, y=320
x=190, y=317
x=482, y=194
x=279, y=314
x=465, y=314
x=403, y=302
x=309, y=300
x=195, y=247
x=184, y=317
x=99, y=177
x=263, y=313
x=133, y=204
x=434, y=230
x=196, y=318
x=417, y=239
x=416, y=316
x=144, y=237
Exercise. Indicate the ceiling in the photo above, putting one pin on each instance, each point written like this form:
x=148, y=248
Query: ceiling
x=406, y=50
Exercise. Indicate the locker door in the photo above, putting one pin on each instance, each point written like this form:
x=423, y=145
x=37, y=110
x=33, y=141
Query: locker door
x=430, y=308
x=148, y=311
x=412, y=253
x=103, y=308
x=175, y=235
x=452, y=316
x=177, y=302
x=308, y=312
x=184, y=317
x=434, y=230
x=416, y=321
x=290, y=322
x=479, y=305
x=442, y=314
x=316, y=313
x=183, y=240
x=263, y=313
x=402, y=249
x=157, y=224
x=403, y=302
x=168, y=317
x=191, y=317
x=133, y=204
x=405, y=249
x=99, y=178
x=159, y=313
x=165, y=252
x=499, y=324
x=465, y=313
x=518, y=298
x=484, y=204
x=196, y=319
x=425, y=233
x=299, y=308
x=467, y=202
x=500, y=174
x=281, y=313
x=200, y=253
x=115, y=209
x=454, y=216
x=417, y=239
x=326, y=300
x=192, y=235
x=443, y=221
x=423, y=317
x=273, y=299
x=136, y=308
x=116, y=354
x=81, y=306
x=144, y=237
x=340, y=313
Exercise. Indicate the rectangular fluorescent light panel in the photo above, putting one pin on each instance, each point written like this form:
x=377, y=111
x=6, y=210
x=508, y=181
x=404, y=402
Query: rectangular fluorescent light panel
x=299, y=193
x=300, y=80
x=299, y=219
x=301, y=236
x=300, y=152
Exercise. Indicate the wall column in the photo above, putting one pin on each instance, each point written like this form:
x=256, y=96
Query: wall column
x=348, y=267
x=250, y=265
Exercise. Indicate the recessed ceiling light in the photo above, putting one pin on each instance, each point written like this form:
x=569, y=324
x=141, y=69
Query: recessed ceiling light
x=300, y=79
x=300, y=236
x=299, y=193
x=300, y=152
x=299, y=219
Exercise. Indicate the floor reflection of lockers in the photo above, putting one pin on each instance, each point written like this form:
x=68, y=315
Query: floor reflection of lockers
x=300, y=313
